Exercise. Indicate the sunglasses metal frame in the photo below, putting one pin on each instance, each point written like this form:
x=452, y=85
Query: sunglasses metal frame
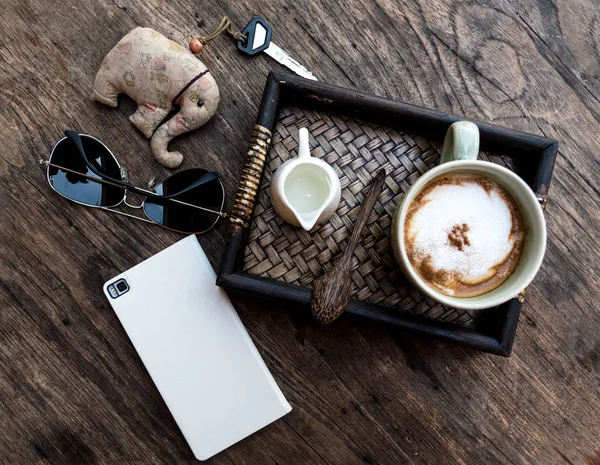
x=48, y=163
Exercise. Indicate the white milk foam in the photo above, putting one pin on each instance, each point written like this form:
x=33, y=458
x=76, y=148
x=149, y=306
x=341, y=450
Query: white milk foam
x=488, y=218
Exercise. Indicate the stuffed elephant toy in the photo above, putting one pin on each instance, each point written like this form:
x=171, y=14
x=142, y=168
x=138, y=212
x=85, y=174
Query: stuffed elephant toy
x=158, y=74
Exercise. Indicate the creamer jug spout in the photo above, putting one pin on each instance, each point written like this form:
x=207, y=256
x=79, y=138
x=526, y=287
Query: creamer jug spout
x=308, y=220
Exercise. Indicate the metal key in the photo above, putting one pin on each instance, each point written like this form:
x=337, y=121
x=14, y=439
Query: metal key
x=258, y=39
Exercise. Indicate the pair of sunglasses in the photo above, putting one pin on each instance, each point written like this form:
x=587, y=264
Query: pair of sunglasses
x=84, y=170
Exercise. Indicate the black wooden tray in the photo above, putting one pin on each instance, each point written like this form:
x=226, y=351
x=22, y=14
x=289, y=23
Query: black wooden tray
x=357, y=133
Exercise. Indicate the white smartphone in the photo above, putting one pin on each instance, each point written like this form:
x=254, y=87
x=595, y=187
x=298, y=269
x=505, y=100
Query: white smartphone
x=195, y=348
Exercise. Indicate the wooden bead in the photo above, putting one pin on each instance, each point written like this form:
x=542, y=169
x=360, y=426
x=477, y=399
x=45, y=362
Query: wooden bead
x=196, y=46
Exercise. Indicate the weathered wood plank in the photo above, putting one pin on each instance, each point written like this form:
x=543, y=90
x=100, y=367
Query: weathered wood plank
x=73, y=390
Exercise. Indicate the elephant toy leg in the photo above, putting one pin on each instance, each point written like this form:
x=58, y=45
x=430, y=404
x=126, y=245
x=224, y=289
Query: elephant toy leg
x=147, y=117
x=104, y=90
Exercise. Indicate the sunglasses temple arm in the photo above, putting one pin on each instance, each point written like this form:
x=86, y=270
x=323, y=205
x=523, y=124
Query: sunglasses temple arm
x=135, y=189
x=74, y=137
x=206, y=177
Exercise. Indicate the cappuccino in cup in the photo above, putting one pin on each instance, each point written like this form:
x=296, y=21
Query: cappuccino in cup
x=463, y=234
x=468, y=233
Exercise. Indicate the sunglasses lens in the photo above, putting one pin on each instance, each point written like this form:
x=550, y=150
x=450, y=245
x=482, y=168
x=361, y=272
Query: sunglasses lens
x=186, y=218
x=77, y=187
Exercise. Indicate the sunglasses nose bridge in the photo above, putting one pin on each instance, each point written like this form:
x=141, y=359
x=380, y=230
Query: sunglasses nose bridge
x=126, y=202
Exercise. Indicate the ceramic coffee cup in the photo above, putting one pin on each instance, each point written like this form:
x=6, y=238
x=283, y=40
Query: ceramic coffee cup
x=459, y=156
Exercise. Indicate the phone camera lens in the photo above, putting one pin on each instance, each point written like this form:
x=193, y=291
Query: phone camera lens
x=122, y=286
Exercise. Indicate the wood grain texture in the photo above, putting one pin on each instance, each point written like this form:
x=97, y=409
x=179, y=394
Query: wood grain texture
x=72, y=389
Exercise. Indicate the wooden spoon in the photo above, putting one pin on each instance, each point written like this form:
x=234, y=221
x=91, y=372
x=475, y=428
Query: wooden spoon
x=332, y=291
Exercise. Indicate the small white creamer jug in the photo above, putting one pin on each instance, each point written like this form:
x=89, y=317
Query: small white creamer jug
x=305, y=190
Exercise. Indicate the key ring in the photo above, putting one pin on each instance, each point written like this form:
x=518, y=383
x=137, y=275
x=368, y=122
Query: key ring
x=197, y=45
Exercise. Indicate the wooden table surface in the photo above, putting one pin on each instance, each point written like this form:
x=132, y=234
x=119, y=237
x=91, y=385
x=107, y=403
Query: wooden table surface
x=72, y=388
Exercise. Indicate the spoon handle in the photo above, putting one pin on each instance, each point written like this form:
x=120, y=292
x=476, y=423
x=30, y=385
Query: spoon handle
x=363, y=216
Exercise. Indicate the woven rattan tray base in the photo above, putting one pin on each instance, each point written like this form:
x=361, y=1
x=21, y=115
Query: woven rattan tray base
x=267, y=258
x=355, y=149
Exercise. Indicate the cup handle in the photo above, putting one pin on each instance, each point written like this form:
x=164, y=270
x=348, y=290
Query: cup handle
x=461, y=142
